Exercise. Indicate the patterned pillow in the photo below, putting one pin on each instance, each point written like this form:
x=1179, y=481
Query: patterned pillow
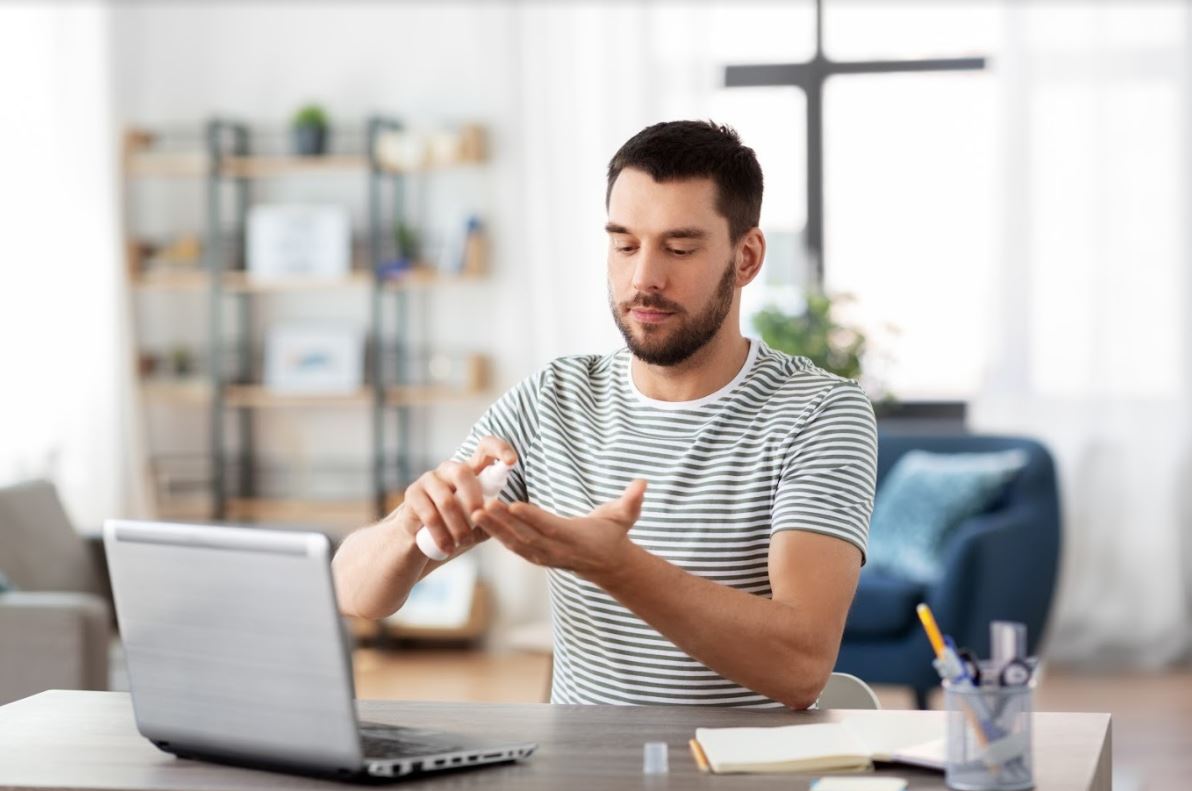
x=5, y=585
x=926, y=496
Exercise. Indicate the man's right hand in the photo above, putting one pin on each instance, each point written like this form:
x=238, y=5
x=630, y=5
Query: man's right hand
x=442, y=498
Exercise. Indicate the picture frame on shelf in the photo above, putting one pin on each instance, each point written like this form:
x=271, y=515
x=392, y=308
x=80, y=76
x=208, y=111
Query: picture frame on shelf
x=314, y=359
x=298, y=240
x=443, y=600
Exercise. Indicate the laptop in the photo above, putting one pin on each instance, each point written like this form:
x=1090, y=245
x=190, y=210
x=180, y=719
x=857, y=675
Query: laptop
x=237, y=654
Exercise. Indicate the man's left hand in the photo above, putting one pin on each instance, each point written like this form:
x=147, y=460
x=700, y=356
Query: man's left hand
x=592, y=546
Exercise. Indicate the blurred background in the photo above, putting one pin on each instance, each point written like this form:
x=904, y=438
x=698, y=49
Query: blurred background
x=266, y=262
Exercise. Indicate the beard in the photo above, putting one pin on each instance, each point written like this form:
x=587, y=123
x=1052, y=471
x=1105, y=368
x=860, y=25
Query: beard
x=671, y=346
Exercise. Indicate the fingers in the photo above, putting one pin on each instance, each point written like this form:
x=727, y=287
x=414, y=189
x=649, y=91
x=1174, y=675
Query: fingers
x=467, y=488
x=516, y=536
x=546, y=523
x=427, y=515
x=491, y=449
x=435, y=506
x=448, y=506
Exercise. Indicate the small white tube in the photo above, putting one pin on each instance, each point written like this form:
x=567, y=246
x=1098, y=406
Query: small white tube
x=492, y=480
x=654, y=760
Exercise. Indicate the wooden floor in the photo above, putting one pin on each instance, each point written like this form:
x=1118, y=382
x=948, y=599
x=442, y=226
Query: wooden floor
x=1152, y=713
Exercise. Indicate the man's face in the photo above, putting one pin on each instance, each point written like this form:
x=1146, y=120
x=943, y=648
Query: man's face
x=671, y=267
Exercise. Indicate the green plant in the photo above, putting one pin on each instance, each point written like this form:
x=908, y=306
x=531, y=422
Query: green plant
x=409, y=244
x=815, y=334
x=311, y=115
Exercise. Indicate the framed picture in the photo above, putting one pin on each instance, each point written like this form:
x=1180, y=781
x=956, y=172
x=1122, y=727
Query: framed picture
x=310, y=359
x=443, y=600
x=291, y=240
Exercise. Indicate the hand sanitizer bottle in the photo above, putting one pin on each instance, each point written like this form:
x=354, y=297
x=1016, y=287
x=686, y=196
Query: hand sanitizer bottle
x=492, y=480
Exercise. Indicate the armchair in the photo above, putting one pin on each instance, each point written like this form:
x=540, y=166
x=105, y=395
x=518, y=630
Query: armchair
x=56, y=626
x=1000, y=565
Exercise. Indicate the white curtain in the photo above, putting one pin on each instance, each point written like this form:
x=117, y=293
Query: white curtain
x=63, y=341
x=1093, y=335
x=583, y=88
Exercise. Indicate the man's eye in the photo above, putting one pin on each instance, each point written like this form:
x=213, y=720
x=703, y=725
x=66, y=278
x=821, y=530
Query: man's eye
x=681, y=252
x=626, y=249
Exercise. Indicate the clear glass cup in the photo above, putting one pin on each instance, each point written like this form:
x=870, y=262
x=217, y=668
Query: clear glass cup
x=989, y=736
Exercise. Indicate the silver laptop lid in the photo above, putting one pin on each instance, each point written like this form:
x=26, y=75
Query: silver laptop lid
x=233, y=642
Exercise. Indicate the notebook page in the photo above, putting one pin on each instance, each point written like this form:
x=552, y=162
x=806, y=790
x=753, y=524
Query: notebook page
x=790, y=747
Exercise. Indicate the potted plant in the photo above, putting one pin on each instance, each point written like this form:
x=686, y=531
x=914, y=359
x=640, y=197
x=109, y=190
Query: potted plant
x=309, y=131
x=817, y=335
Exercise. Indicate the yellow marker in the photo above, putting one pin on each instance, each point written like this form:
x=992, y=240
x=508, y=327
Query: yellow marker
x=697, y=753
x=933, y=631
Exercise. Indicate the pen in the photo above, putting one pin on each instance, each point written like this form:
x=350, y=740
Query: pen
x=697, y=753
x=933, y=631
x=950, y=668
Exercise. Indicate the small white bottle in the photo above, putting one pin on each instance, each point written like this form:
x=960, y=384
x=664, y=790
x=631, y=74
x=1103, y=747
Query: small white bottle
x=492, y=480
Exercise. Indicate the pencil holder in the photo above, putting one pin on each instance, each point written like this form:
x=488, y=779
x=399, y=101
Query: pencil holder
x=989, y=737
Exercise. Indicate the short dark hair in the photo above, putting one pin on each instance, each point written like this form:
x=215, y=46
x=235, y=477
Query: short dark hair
x=677, y=150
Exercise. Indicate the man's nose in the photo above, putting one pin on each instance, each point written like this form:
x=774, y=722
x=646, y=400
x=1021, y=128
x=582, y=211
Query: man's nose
x=649, y=273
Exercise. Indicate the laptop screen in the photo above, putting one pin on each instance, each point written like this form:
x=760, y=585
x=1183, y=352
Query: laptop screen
x=234, y=643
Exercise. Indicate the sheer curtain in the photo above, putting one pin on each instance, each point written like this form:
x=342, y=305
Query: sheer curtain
x=583, y=87
x=1092, y=332
x=63, y=341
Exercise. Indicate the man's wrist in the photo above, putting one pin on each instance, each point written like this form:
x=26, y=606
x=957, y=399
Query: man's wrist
x=621, y=571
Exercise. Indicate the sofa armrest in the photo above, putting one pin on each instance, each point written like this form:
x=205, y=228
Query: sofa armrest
x=52, y=640
x=998, y=566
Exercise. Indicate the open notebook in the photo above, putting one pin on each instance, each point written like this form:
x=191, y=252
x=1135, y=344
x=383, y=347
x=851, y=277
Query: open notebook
x=821, y=747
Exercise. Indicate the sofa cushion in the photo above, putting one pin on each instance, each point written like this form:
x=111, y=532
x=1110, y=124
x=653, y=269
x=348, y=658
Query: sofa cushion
x=924, y=498
x=884, y=605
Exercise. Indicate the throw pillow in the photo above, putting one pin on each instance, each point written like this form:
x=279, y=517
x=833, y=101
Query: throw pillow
x=926, y=496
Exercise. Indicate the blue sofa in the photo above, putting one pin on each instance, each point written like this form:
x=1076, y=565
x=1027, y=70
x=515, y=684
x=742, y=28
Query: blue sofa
x=1001, y=565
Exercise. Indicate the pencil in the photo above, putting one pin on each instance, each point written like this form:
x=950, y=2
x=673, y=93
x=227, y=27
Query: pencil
x=933, y=631
x=697, y=753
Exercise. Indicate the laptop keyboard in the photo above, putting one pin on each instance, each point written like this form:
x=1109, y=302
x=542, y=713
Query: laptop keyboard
x=390, y=741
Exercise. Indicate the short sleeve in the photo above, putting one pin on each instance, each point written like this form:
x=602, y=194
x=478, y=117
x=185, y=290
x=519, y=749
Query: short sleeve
x=514, y=418
x=830, y=470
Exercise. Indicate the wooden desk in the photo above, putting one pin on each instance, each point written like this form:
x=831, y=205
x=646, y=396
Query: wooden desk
x=85, y=740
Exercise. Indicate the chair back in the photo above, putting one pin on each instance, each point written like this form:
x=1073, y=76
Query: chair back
x=846, y=691
x=39, y=547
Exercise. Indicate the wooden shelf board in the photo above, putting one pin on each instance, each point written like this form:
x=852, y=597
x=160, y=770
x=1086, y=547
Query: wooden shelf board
x=185, y=510
x=427, y=277
x=242, y=282
x=429, y=165
x=412, y=395
x=198, y=393
x=183, y=164
x=265, y=166
x=409, y=395
x=343, y=513
x=260, y=397
x=181, y=280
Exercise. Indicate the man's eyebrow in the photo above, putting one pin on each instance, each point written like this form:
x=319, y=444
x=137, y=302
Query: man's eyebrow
x=674, y=233
x=685, y=233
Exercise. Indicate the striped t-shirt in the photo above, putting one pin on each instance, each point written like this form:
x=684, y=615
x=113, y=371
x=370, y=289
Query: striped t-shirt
x=784, y=446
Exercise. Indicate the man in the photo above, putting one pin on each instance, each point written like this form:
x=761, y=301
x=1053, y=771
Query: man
x=701, y=501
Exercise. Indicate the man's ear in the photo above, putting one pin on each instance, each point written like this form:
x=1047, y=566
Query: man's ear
x=751, y=251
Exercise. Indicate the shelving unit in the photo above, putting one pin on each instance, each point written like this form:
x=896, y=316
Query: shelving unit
x=226, y=166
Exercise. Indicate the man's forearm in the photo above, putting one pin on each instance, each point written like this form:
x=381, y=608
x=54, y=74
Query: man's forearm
x=759, y=643
x=375, y=568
